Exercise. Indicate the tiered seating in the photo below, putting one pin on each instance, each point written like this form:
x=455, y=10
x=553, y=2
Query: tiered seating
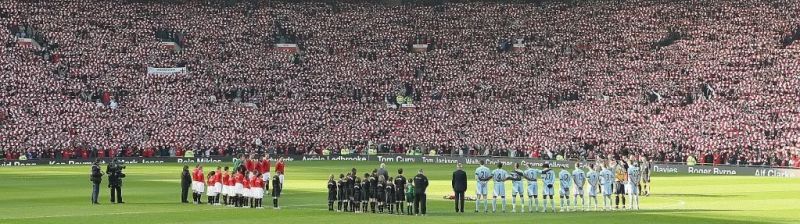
x=663, y=79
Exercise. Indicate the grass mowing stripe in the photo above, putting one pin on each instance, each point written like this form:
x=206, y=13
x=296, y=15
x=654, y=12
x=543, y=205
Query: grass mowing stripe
x=60, y=194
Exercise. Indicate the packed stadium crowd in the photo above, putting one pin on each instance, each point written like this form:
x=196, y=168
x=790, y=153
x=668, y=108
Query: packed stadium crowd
x=669, y=80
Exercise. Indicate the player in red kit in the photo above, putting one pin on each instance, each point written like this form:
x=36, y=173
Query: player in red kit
x=226, y=186
x=247, y=192
x=250, y=165
x=253, y=188
x=238, y=180
x=280, y=170
x=258, y=190
x=264, y=167
x=198, y=185
x=218, y=185
x=210, y=192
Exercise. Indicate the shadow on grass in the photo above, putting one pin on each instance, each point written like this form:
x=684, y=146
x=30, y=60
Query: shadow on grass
x=604, y=213
x=700, y=195
x=155, y=203
x=642, y=216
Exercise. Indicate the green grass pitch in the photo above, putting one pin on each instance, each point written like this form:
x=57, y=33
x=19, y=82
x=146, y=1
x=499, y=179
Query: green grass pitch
x=61, y=194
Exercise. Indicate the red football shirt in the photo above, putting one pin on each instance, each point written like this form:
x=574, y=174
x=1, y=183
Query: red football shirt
x=238, y=178
x=263, y=166
x=258, y=182
x=250, y=165
x=198, y=175
x=218, y=176
x=194, y=174
x=212, y=180
x=226, y=179
x=280, y=167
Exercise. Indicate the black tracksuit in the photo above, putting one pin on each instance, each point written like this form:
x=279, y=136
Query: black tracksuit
x=331, y=194
x=276, y=190
x=420, y=185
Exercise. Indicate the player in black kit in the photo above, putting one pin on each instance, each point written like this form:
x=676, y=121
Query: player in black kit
x=390, y=195
x=340, y=186
x=400, y=186
x=373, y=185
x=348, y=191
x=381, y=195
x=357, y=195
x=365, y=193
x=331, y=192
x=277, y=186
x=351, y=186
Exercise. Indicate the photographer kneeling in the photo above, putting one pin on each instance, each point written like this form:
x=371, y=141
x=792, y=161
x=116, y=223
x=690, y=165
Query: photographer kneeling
x=115, y=175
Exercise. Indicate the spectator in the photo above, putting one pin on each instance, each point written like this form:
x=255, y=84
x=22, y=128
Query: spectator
x=575, y=90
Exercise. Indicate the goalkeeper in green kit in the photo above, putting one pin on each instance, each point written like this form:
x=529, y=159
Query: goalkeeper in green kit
x=410, y=199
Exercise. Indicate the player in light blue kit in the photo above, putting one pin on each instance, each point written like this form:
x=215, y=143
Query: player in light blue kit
x=606, y=180
x=531, y=175
x=633, y=180
x=482, y=176
x=565, y=179
x=594, y=184
x=548, y=183
x=516, y=188
x=500, y=176
x=579, y=178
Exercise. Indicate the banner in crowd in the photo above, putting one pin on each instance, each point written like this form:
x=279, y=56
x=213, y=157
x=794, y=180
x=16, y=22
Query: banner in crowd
x=165, y=71
x=517, y=47
x=28, y=42
x=416, y=48
x=171, y=46
x=291, y=48
x=658, y=168
x=725, y=170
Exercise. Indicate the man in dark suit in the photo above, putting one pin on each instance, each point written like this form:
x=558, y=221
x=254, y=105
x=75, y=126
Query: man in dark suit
x=186, y=181
x=459, y=186
x=420, y=185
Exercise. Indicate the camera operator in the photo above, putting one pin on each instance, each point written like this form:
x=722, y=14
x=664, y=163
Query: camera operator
x=115, y=175
x=96, y=177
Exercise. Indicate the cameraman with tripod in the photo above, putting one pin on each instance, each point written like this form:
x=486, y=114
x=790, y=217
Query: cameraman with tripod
x=115, y=175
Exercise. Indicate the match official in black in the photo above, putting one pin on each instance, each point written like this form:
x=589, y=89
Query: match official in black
x=420, y=184
x=186, y=181
x=459, y=186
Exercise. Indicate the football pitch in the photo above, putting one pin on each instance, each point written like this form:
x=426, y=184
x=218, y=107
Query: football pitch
x=61, y=194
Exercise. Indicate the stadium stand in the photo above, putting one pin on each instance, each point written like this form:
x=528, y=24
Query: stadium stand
x=667, y=79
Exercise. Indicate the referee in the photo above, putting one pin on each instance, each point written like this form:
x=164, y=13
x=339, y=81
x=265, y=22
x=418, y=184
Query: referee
x=420, y=184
